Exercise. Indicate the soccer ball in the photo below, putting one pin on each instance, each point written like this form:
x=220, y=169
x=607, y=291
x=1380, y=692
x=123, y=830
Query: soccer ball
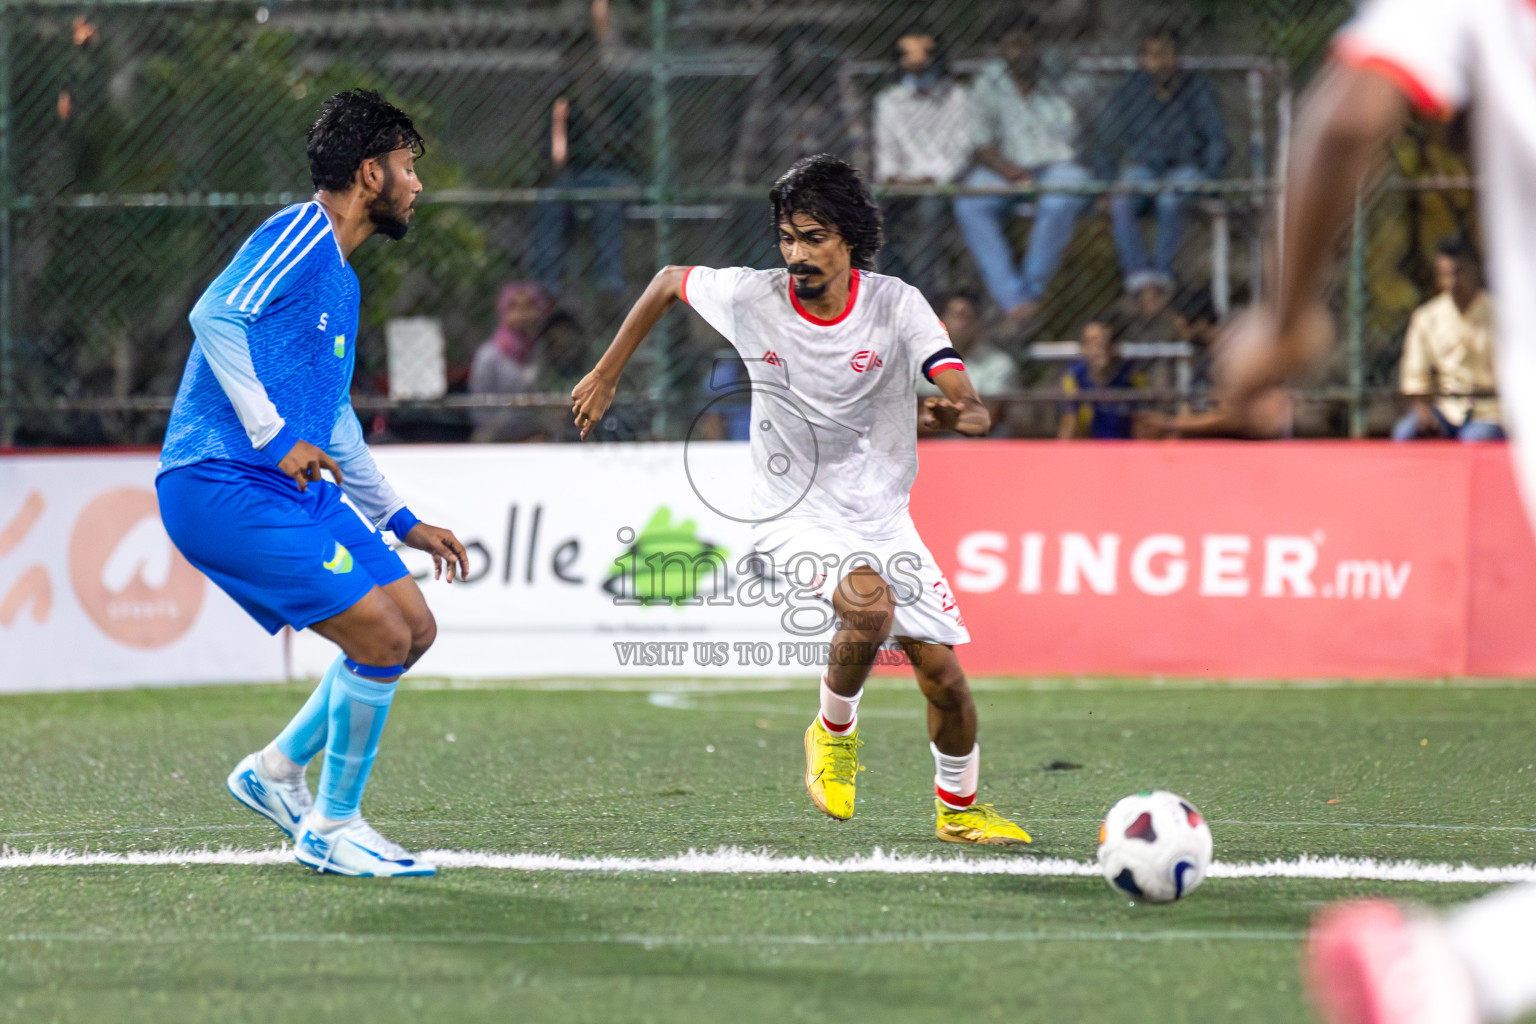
x=1154, y=846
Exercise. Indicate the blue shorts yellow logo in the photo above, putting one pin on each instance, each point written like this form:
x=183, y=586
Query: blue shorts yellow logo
x=341, y=561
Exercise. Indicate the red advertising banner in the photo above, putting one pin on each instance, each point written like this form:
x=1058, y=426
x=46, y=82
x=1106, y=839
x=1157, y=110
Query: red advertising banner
x=1231, y=559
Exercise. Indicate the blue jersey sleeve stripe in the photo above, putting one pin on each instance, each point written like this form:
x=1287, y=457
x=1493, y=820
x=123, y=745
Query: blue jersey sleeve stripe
x=306, y=230
x=325, y=229
x=299, y=214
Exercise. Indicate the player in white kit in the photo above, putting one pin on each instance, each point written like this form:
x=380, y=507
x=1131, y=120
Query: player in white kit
x=1371, y=962
x=833, y=353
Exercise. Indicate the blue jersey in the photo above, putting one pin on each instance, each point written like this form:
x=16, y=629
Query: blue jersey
x=276, y=336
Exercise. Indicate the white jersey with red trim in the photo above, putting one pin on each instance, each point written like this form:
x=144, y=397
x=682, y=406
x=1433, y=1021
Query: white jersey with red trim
x=834, y=402
x=1446, y=55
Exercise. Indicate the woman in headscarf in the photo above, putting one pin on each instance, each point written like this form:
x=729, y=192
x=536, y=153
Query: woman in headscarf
x=511, y=362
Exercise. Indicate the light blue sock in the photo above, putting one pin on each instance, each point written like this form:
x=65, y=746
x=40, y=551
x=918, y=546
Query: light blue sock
x=358, y=708
x=304, y=736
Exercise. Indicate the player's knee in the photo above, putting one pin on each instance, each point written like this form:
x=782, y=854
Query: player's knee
x=388, y=639
x=423, y=634
x=866, y=607
x=945, y=686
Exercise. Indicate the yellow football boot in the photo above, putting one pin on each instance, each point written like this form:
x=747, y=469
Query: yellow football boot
x=831, y=768
x=978, y=823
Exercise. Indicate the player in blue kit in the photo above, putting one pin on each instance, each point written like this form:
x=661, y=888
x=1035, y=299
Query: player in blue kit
x=263, y=408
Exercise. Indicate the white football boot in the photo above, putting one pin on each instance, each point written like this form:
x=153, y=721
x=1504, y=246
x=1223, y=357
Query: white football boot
x=285, y=803
x=355, y=849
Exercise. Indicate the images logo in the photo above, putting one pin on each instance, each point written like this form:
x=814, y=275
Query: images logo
x=127, y=575
x=341, y=561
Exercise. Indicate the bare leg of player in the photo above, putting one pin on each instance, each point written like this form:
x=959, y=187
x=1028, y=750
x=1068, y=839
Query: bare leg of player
x=865, y=612
x=956, y=754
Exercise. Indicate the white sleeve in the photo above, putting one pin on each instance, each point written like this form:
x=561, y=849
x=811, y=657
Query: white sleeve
x=360, y=477
x=712, y=294
x=221, y=332
x=928, y=346
x=1425, y=47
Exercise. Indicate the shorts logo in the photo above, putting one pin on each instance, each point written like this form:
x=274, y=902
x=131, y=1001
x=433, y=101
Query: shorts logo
x=865, y=360
x=341, y=561
x=340, y=348
x=771, y=358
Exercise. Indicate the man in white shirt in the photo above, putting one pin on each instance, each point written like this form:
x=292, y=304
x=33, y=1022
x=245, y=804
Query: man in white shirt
x=921, y=138
x=1024, y=135
x=1448, y=355
x=1370, y=961
x=834, y=353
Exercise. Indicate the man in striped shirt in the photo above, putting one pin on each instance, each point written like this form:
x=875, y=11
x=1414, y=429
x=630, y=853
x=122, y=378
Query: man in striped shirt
x=263, y=408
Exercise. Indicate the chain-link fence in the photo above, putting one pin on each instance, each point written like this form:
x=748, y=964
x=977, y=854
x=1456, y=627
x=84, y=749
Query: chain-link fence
x=1051, y=163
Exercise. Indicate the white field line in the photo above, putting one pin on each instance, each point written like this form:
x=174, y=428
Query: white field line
x=732, y=861
x=658, y=941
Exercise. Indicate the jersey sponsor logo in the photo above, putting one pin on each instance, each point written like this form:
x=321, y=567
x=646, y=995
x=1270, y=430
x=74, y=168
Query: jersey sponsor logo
x=341, y=561
x=340, y=346
x=866, y=359
x=324, y=319
x=771, y=358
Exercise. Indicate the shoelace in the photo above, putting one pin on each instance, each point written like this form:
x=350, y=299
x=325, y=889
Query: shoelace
x=845, y=760
x=987, y=813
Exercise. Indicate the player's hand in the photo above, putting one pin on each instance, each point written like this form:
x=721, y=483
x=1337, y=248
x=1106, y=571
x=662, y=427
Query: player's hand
x=304, y=463
x=939, y=414
x=443, y=546
x=590, y=400
x=1255, y=357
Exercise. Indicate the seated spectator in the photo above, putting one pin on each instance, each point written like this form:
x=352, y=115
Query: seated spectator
x=594, y=141
x=1196, y=321
x=1098, y=368
x=1162, y=126
x=1023, y=132
x=510, y=362
x=1448, y=353
x=992, y=371
x=921, y=138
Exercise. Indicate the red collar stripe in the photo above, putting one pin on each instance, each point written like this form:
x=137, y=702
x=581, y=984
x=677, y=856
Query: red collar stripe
x=853, y=296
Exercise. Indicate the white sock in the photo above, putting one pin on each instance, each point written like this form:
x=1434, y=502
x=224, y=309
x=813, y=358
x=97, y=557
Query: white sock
x=839, y=715
x=955, y=778
x=325, y=825
x=279, y=765
x=1496, y=937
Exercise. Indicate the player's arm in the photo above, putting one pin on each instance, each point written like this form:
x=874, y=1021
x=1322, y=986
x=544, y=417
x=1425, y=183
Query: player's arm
x=1340, y=133
x=365, y=485
x=960, y=410
x=220, y=328
x=591, y=397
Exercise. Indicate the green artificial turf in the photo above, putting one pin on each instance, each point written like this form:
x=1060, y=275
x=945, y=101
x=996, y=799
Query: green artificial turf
x=1427, y=773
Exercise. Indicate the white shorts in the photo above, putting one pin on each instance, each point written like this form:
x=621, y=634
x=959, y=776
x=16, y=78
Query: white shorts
x=813, y=556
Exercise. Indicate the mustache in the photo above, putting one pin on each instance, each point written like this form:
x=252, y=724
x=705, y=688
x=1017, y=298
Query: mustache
x=804, y=268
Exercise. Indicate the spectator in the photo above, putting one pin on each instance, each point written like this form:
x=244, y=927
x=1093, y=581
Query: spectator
x=510, y=362
x=1099, y=368
x=792, y=112
x=594, y=142
x=1448, y=353
x=1163, y=127
x=921, y=138
x=1023, y=132
x=992, y=371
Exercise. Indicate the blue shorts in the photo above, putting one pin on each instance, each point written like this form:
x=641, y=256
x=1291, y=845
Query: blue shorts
x=288, y=557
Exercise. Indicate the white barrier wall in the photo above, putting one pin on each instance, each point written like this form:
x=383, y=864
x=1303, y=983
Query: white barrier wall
x=549, y=527
x=93, y=593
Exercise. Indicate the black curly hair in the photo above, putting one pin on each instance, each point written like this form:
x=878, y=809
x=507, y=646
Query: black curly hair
x=354, y=126
x=833, y=192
